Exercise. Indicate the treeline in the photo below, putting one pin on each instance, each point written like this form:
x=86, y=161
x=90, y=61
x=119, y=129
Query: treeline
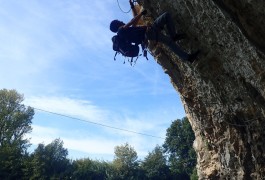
x=175, y=159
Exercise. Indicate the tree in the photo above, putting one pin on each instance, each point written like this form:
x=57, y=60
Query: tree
x=50, y=162
x=155, y=165
x=178, y=145
x=125, y=162
x=15, y=123
x=90, y=169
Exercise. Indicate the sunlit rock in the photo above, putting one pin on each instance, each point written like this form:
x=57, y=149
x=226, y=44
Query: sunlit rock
x=223, y=92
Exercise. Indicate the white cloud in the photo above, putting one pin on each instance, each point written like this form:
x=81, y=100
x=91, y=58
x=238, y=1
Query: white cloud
x=46, y=44
x=71, y=107
x=40, y=36
x=63, y=47
x=101, y=146
x=46, y=135
x=142, y=122
x=96, y=139
x=41, y=134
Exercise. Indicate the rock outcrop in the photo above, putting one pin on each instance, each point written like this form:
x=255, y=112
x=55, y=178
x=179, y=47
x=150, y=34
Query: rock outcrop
x=223, y=93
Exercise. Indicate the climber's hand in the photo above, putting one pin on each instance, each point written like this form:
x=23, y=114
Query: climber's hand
x=131, y=4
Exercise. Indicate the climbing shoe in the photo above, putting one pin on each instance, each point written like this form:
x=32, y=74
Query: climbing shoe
x=180, y=36
x=193, y=56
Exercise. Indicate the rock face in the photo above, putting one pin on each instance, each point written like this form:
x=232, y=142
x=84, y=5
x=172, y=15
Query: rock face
x=223, y=93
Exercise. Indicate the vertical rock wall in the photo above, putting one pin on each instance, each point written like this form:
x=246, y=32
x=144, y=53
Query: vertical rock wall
x=223, y=93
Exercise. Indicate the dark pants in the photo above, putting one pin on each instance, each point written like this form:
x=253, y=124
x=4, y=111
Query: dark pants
x=154, y=33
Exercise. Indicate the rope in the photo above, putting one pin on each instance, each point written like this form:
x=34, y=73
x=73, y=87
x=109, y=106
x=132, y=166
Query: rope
x=97, y=124
x=122, y=9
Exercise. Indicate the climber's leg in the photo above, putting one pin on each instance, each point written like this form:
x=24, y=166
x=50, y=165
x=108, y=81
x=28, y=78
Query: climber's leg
x=157, y=36
x=173, y=46
x=165, y=19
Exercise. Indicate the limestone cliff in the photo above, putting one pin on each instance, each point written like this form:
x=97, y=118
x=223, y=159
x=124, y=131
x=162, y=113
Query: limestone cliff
x=223, y=93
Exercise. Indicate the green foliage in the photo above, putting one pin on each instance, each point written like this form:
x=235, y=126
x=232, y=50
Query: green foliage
x=28, y=167
x=90, y=169
x=194, y=175
x=50, y=162
x=15, y=121
x=178, y=144
x=125, y=162
x=155, y=165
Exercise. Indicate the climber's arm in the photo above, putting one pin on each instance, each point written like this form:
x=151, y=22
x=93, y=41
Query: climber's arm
x=133, y=8
x=135, y=19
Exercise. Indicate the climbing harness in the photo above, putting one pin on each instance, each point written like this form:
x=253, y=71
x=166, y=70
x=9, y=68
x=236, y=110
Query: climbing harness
x=134, y=1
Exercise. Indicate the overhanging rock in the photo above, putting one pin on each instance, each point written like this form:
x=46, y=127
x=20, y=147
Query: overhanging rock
x=223, y=93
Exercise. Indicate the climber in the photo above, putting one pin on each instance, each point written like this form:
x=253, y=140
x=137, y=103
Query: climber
x=139, y=34
x=136, y=8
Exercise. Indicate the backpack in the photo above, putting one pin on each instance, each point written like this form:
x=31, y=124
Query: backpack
x=127, y=49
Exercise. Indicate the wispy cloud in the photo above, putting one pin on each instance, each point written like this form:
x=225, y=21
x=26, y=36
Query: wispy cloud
x=65, y=42
x=42, y=36
x=59, y=55
x=96, y=145
x=71, y=107
x=91, y=145
x=103, y=140
x=87, y=111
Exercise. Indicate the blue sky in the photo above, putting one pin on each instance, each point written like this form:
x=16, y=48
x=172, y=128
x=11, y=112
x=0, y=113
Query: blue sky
x=59, y=55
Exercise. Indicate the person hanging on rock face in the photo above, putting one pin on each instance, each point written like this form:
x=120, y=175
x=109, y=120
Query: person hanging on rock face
x=139, y=34
x=136, y=8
